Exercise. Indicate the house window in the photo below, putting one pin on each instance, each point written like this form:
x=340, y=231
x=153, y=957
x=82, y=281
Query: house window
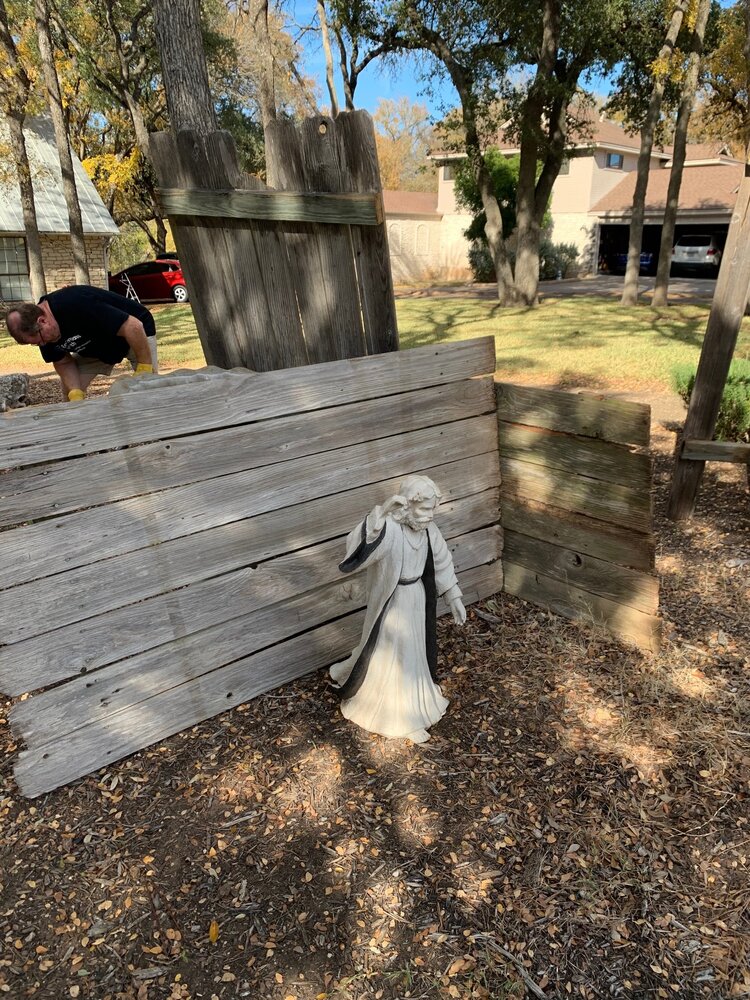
x=394, y=238
x=565, y=167
x=423, y=239
x=615, y=161
x=14, y=270
x=449, y=172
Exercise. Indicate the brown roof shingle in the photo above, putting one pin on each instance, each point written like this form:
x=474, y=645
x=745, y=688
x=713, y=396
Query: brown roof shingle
x=410, y=203
x=704, y=188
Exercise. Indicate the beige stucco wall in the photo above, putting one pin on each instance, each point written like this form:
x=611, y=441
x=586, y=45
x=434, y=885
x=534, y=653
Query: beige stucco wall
x=427, y=248
x=583, y=231
x=572, y=191
x=57, y=257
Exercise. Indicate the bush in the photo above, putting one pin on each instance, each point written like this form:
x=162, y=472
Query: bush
x=733, y=423
x=554, y=259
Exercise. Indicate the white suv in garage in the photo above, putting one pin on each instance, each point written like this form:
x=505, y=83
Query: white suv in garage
x=701, y=252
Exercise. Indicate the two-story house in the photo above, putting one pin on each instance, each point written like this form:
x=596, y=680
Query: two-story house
x=590, y=205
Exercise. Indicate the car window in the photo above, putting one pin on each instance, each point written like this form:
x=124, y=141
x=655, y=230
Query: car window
x=137, y=269
x=694, y=241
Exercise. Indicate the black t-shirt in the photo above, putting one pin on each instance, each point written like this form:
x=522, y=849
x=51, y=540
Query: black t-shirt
x=89, y=319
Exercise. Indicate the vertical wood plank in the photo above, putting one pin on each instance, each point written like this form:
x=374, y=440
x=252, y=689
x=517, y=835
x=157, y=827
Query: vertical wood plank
x=369, y=243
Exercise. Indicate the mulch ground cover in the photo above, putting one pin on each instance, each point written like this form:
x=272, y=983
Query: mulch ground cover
x=578, y=825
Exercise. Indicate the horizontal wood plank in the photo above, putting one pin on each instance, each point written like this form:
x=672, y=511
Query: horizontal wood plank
x=84, y=537
x=609, y=502
x=628, y=623
x=583, y=534
x=273, y=206
x=45, y=433
x=617, y=583
x=608, y=419
x=103, y=625
x=42, y=769
x=716, y=451
x=309, y=600
x=57, y=488
x=612, y=463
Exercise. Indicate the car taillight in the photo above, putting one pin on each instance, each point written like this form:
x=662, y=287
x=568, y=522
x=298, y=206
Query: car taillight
x=710, y=252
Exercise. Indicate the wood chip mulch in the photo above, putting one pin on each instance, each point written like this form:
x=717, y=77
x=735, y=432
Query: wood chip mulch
x=578, y=825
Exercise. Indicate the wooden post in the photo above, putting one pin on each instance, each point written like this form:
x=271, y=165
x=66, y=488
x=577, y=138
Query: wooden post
x=727, y=310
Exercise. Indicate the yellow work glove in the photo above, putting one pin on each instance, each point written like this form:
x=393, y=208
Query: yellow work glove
x=75, y=395
x=144, y=370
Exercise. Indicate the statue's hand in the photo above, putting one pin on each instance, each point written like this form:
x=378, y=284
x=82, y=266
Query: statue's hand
x=458, y=610
x=394, y=503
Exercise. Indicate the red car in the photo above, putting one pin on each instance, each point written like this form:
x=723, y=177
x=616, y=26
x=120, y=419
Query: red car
x=154, y=279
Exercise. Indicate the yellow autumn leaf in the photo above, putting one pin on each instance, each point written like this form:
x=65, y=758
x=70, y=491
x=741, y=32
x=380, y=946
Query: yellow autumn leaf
x=213, y=932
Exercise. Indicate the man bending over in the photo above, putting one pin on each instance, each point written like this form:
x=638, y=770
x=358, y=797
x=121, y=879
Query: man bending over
x=84, y=331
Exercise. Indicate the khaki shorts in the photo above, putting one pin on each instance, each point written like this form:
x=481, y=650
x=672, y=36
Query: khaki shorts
x=93, y=366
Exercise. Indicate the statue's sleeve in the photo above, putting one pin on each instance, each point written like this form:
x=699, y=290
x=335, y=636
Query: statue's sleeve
x=446, y=583
x=366, y=543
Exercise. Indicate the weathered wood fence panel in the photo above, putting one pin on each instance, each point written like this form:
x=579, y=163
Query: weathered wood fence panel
x=293, y=275
x=174, y=549
x=576, y=508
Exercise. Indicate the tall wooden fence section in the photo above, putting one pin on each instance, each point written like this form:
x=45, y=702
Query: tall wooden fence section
x=170, y=553
x=576, y=508
x=289, y=275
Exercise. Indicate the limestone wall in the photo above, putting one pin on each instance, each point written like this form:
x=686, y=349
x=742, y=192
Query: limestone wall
x=57, y=256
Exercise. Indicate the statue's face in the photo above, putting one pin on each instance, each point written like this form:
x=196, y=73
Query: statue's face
x=421, y=512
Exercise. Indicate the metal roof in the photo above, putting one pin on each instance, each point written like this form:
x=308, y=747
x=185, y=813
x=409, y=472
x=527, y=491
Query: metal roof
x=51, y=210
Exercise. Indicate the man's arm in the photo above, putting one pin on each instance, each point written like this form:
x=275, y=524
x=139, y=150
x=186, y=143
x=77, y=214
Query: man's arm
x=69, y=374
x=132, y=331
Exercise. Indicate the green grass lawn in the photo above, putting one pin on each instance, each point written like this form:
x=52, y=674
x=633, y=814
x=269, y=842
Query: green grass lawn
x=575, y=342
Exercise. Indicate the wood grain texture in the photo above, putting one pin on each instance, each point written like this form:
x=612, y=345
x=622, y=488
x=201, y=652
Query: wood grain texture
x=609, y=502
x=43, y=768
x=583, y=534
x=273, y=206
x=612, y=463
x=624, y=621
x=608, y=419
x=46, y=433
x=51, y=490
x=596, y=576
x=311, y=594
x=218, y=564
x=716, y=451
x=84, y=537
x=369, y=245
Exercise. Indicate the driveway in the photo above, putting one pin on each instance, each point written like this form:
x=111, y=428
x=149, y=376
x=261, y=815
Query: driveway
x=606, y=285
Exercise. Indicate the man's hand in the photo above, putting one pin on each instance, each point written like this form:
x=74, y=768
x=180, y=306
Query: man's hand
x=75, y=395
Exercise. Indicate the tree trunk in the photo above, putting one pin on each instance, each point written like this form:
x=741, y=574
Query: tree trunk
x=328, y=57
x=75, y=222
x=687, y=99
x=630, y=287
x=349, y=80
x=23, y=170
x=183, y=60
x=267, y=87
x=493, y=230
x=527, y=221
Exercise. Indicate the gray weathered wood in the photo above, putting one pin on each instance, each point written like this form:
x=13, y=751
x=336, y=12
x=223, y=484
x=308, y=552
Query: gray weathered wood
x=727, y=310
x=273, y=206
x=83, y=537
x=202, y=572
x=609, y=419
x=617, y=583
x=227, y=265
x=50, y=490
x=628, y=623
x=612, y=463
x=716, y=451
x=43, y=768
x=370, y=246
x=583, y=534
x=309, y=600
x=610, y=502
x=44, y=433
